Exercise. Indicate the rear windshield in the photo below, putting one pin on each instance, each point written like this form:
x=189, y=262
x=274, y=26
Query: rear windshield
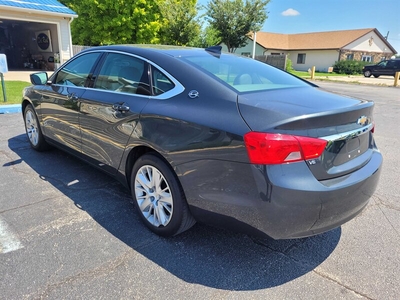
x=244, y=74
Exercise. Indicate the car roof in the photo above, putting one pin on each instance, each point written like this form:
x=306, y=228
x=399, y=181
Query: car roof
x=174, y=51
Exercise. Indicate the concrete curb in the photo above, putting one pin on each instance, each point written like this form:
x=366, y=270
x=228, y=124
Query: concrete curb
x=12, y=108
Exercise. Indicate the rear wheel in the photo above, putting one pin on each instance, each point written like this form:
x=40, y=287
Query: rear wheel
x=158, y=197
x=33, y=130
x=367, y=73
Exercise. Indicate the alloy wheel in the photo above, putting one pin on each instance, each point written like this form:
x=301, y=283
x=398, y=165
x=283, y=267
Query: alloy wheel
x=32, y=128
x=153, y=196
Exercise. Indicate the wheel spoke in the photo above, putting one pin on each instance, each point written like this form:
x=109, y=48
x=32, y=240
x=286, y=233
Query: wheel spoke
x=161, y=216
x=143, y=180
x=157, y=179
x=145, y=205
x=166, y=206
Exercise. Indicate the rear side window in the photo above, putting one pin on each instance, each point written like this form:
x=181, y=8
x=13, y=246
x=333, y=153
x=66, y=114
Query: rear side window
x=77, y=71
x=123, y=73
x=161, y=83
x=244, y=74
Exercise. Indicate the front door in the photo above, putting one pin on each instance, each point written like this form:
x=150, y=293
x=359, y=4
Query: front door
x=61, y=100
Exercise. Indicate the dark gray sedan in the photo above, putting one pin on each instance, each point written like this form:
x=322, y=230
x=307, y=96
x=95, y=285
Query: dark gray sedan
x=200, y=135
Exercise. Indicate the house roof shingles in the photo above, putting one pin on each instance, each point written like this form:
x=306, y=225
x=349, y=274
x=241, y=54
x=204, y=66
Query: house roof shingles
x=313, y=40
x=40, y=5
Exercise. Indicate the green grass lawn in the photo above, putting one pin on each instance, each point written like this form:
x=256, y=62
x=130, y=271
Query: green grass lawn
x=13, y=91
x=317, y=74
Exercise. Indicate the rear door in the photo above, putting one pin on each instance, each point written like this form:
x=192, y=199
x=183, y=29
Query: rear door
x=390, y=68
x=110, y=109
x=60, y=101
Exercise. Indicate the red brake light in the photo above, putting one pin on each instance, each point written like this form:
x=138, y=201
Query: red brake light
x=272, y=148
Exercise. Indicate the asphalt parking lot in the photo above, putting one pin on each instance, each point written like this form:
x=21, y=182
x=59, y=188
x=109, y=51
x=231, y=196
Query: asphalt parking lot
x=70, y=232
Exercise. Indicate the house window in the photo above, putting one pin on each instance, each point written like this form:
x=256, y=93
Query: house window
x=367, y=58
x=350, y=56
x=301, y=58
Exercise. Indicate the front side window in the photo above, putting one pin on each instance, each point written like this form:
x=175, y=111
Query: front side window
x=383, y=63
x=301, y=58
x=123, y=73
x=77, y=71
x=243, y=74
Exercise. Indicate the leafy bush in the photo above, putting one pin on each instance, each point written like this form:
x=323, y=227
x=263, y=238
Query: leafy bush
x=349, y=67
x=289, y=66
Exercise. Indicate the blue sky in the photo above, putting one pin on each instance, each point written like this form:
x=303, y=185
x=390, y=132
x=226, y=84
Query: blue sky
x=300, y=16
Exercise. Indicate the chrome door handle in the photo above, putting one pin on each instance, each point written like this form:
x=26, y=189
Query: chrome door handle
x=72, y=97
x=120, y=107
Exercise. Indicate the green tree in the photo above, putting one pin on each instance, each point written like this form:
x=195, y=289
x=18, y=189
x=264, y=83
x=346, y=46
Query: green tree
x=207, y=37
x=235, y=19
x=180, y=25
x=102, y=22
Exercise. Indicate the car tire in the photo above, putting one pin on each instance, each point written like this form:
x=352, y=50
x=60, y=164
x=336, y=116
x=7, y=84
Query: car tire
x=33, y=130
x=367, y=73
x=159, y=197
x=376, y=76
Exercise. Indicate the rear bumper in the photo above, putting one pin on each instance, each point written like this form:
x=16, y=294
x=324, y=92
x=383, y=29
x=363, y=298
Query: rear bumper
x=302, y=206
x=281, y=201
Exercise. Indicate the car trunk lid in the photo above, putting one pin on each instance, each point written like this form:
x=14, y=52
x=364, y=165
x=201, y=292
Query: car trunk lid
x=345, y=123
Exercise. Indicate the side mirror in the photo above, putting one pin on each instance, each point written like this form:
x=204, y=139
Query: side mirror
x=39, y=78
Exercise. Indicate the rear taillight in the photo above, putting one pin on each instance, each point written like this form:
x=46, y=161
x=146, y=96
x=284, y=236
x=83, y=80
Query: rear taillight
x=272, y=148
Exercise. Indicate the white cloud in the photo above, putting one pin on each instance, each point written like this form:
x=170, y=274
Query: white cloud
x=290, y=12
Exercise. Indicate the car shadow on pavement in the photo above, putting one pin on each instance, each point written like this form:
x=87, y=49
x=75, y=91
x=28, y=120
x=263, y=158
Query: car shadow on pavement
x=203, y=255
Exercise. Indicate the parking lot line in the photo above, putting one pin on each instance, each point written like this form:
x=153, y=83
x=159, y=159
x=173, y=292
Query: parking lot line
x=8, y=240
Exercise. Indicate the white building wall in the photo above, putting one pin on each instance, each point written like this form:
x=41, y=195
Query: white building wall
x=57, y=24
x=370, y=42
x=321, y=59
x=65, y=40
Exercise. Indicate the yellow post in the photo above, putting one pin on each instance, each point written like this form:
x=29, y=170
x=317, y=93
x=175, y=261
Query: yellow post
x=396, y=78
x=313, y=72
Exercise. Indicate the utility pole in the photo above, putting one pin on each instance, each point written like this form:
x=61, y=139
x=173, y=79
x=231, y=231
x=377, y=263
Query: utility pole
x=254, y=44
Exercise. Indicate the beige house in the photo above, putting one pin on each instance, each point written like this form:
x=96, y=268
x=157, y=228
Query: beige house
x=322, y=49
x=35, y=34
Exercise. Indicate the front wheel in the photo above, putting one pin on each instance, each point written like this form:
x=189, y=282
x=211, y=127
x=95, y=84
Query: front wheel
x=33, y=130
x=158, y=197
x=367, y=73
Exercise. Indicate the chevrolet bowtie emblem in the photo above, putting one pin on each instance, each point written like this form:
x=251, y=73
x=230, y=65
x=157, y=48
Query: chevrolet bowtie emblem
x=363, y=120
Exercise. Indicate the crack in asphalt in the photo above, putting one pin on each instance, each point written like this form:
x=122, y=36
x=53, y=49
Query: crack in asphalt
x=27, y=205
x=90, y=275
x=285, y=251
x=380, y=203
x=100, y=271
x=377, y=201
x=342, y=284
x=303, y=264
